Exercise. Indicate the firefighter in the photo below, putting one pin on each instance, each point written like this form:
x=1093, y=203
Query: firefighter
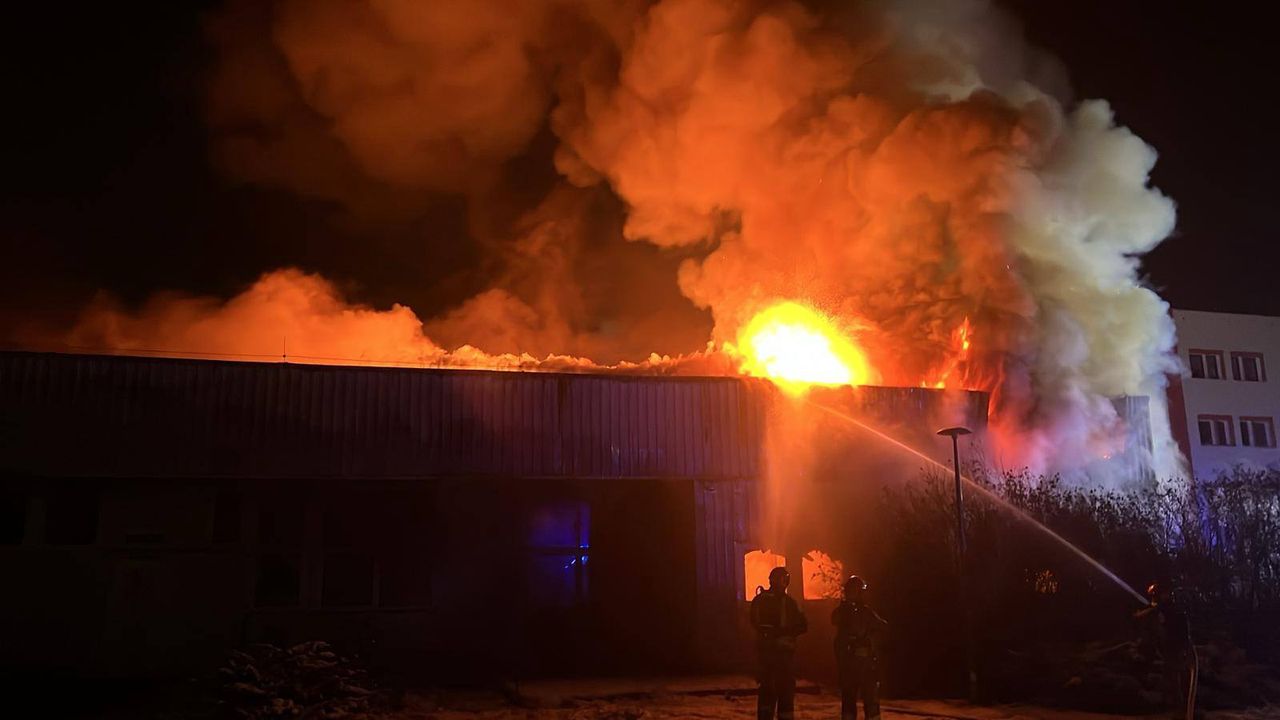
x=1166, y=637
x=858, y=633
x=778, y=621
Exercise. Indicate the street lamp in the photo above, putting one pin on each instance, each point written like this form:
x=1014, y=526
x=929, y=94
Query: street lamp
x=954, y=433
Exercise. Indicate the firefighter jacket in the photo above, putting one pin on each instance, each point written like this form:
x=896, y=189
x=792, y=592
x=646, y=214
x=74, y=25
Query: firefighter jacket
x=858, y=631
x=777, y=620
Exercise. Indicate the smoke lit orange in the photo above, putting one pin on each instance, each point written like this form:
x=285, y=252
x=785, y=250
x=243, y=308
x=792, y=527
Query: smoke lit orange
x=796, y=347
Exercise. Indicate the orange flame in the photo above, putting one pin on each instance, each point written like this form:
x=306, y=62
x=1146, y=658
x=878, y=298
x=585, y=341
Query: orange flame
x=797, y=347
x=956, y=361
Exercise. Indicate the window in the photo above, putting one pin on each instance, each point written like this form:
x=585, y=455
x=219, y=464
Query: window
x=1216, y=430
x=1206, y=364
x=559, y=545
x=279, y=560
x=756, y=566
x=348, y=559
x=278, y=580
x=1257, y=432
x=226, y=517
x=1248, y=367
x=71, y=515
x=375, y=549
x=13, y=515
x=824, y=576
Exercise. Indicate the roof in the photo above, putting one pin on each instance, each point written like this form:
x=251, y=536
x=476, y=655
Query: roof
x=93, y=415
x=65, y=415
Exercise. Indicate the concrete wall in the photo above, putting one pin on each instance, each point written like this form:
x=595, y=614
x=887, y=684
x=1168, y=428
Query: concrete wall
x=1227, y=396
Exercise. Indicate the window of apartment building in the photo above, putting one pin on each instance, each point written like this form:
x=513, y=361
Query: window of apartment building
x=1216, y=430
x=1248, y=367
x=1206, y=364
x=1257, y=432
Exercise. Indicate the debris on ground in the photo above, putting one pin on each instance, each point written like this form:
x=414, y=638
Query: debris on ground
x=308, y=680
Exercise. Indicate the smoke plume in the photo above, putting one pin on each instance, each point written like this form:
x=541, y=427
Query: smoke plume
x=909, y=167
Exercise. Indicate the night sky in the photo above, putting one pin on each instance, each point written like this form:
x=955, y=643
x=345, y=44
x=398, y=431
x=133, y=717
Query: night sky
x=108, y=185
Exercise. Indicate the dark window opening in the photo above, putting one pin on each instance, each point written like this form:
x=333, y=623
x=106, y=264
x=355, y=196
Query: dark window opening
x=404, y=580
x=1248, y=367
x=1206, y=364
x=278, y=581
x=280, y=523
x=559, y=541
x=348, y=572
x=340, y=530
x=1215, y=430
x=1257, y=432
x=71, y=516
x=143, y=538
x=348, y=579
x=1197, y=366
x=226, y=517
x=13, y=516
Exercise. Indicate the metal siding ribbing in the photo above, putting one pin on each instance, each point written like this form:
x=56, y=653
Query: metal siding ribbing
x=723, y=509
x=156, y=417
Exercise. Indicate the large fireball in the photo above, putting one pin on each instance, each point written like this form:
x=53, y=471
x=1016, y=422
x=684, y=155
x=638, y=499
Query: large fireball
x=797, y=347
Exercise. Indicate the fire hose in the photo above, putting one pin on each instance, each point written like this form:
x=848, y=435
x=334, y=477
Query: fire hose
x=1193, y=683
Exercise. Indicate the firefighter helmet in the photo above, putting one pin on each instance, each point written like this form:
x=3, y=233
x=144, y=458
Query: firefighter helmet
x=854, y=584
x=779, y=577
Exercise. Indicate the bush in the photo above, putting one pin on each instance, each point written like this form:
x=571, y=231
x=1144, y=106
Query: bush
x=304, y=681
x=1218, y=542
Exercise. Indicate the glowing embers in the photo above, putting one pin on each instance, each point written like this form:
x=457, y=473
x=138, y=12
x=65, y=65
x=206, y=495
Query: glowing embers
x=796, y=347
x=823, y=576
x=756, y=566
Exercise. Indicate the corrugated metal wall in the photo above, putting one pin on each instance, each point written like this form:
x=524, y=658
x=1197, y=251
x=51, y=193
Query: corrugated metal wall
x=156, y=417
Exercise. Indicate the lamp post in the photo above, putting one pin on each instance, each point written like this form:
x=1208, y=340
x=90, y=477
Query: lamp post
x=954, y=433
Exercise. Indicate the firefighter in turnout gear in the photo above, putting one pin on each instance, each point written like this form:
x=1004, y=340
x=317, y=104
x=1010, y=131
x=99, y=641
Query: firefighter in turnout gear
x=1166, y=638
x=778, y=621
x=858, y=633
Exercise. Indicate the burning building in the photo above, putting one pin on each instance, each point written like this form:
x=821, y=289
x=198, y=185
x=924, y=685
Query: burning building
x=683, y=215
x=158, y=511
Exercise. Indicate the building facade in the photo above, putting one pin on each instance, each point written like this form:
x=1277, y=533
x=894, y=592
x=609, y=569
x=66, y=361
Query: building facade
x=156, y=512
x=1223, y=408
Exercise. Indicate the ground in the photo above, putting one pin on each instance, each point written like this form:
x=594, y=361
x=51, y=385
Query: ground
x=724, y=698
x=727, y=708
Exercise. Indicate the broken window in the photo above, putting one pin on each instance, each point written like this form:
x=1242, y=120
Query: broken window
x=559, y=545
x=823, y=576
x=756, y=566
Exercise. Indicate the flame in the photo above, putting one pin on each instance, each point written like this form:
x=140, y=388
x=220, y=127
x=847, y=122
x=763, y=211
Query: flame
x=956, y=360
x=796, y=347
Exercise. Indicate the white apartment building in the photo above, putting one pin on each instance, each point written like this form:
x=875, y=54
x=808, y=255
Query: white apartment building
x=1223, y=410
